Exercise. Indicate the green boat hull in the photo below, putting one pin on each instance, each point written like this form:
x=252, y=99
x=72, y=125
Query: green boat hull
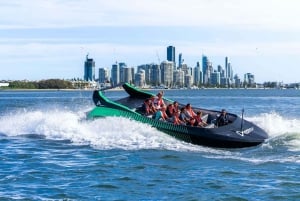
x=177, y=131
x=229, y=136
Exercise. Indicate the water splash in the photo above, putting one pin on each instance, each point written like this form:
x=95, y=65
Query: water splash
x=121, y=133
x=282, y=131
x=106, y=133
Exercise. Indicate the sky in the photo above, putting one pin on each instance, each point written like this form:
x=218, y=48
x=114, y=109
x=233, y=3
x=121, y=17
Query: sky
x=43, y=39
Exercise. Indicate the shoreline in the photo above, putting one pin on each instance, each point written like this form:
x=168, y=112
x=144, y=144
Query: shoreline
x=146, y=89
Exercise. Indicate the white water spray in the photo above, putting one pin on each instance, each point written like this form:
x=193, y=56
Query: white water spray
x=121, y=133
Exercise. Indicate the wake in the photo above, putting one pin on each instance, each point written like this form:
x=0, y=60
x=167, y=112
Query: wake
x=121, y=133
x=282, y=131
x=106, y=133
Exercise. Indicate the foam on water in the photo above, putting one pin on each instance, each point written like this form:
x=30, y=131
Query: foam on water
x=275, y=124
x=121, y=133
x=106, y=133
x=281, y=130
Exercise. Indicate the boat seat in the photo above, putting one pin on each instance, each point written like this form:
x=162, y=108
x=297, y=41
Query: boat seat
x=204, y=118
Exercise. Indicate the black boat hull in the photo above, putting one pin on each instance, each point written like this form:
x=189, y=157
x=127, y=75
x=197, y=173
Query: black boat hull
x=232, y=135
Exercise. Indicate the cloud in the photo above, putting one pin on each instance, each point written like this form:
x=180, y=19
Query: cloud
x=61, y=32
x=38, y=49
x=271, y=14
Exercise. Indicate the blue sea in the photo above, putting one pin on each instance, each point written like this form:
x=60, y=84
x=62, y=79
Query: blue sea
x=50, y=151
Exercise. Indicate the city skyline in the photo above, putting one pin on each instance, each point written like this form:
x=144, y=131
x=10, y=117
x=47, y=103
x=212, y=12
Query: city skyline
x=49, y=39
x=169, y=74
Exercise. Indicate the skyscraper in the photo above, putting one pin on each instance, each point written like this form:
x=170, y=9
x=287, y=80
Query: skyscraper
x=128, y=75
x=188, y=80
x=115, y=74
x=89, y=69
x=155, y=75
x=139, y=79
x=216, y=78
x=178, y=78
x=230, y=71
x=249, y=79
x=171, y=54
x=103, y=75
x=122, y=65
x=167, y=73
x=180, y=60
x=226, y=67
x=207, y=69
x=197, y=75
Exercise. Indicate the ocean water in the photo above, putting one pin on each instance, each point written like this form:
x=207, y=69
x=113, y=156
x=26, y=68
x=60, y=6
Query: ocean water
x=49, y=151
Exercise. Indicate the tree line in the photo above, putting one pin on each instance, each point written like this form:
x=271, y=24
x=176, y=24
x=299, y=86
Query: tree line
x=43, y=84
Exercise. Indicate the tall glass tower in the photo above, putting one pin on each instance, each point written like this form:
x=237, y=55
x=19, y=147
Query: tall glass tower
x=226, y=68
x=171, y=53
x=115, y=74
x=167, y=73
x=205, y=62
x=103, y=75
x=89, y=69
x=180, y=60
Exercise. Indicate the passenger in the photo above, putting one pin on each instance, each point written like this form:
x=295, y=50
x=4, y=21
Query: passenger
x=176, y=107
x=223, y=118
x=189, y=111
x=198, y=120
x=182, y=115
x=146, y=107
x=161, y=114
x=175, y=119
x=152, y=108
x=186, y=119
x=170, y=110
x=158, y=100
